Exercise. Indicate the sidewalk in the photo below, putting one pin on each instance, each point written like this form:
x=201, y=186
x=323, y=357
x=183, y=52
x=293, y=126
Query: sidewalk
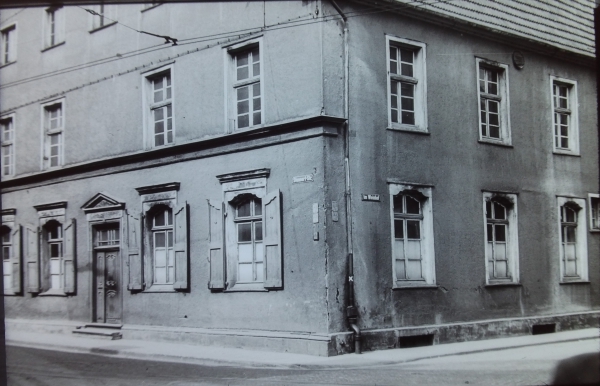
x=208, y=355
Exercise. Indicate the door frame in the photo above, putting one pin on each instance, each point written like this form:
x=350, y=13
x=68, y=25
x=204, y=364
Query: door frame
x=106, y=251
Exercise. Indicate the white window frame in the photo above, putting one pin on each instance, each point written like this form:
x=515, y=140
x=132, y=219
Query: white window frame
x=594, y=205
x=47, y=134
x=231, y=53
x=571, y=112
x=9, y=44
x=419, y=80
x=424, y=194
x=581, y=251
x=166, y=229
x=7, y=259
x=502, y=97
x=150, y=106
x=8, y=145
x=108, y=14
x=509, y=202
x=54, y=27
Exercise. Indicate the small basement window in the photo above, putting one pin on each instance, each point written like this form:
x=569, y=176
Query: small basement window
x=415, y=341
x=538, y=329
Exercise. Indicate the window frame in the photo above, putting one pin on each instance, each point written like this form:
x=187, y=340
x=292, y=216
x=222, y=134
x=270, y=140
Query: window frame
x=509, y=202
x=150, y=106
x=503, y=99
x=232, y=52
x=166, y=229
x=47, y=134
x=8, y=144
x=419, y=80
x=572, y=111
x=423, y=193
x=151, y=5
x=54, y=29
x=581, y=252
x=594, y=205
x=108, y=12
x=12, y=267
x=8, y=35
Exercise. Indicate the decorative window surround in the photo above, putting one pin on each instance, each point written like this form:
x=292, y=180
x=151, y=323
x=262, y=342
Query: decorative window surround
x=406, y=85
x=245, y=235
x=565, y=116
x=501, y=238
x=413, y=253
x=572, y=239
x=493, y=102
x=11, y=253
x=7, y=128
x=8, y=51
x=159, y=91
x=594, y=204
x=158, y=256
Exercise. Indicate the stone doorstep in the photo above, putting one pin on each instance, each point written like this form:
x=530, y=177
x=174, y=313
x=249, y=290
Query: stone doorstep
x=100, y=330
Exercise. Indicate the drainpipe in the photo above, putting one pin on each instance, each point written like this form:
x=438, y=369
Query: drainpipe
x=351, y=309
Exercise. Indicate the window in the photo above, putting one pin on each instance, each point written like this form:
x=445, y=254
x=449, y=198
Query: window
x=564, y=116
x=594, y=201
x=10, y=234
x=246, y=100
x=53, y=134
x=501, y=238
x=8, y=146
x=103, y=17
x=412, y=236
x=54, y=27
x=7, y=252
x=249, y=257
x=9, y=46
x=407, y=92
x=573, y=243
x=162, y=264
x=494, y=116
x=151, y=5
x=160, y=108
x=53, y=271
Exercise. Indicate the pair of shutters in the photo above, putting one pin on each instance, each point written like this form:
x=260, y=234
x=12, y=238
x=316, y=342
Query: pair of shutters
x=33, y=243
x=135, y=247
x=272, y=242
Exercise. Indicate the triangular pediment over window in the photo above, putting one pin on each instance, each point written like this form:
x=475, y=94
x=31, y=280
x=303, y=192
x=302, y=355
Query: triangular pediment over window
x=102, y=202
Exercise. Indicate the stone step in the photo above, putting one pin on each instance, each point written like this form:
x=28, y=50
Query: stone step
x=104, y=326
x=99, y=332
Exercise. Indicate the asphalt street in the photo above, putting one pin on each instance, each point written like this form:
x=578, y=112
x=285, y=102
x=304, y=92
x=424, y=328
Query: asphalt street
x=521, y=366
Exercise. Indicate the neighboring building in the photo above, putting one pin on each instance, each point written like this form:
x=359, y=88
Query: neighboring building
x=292, y=176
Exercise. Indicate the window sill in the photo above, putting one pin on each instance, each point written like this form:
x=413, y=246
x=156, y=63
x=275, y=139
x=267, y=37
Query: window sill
x=574, y=281
x=413, y=285
x=409, y=129
x=496, y=143
x=8, y=64
x=247, y=287
x=103, y=27
x=158, y=288
x=594, y=230
x=502, y=284
x=566, y=152
x=54, y=292
x=54, y=46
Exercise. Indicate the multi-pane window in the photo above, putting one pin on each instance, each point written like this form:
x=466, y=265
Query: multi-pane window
x=54, y=238
x=53, y=129
x=8, y=42
x=247, y=88
x=8, y=160
x=406, y=70
x=501, y=235
x=161, y=109
x=107, y=237
x=564, y=116
x=412, y=236
x=54, y=26
x=248, y=222
x=162, y=243
x=6, y=257
x=568, y=239
x=492, y=80
x=573, y=243
x=103, y=16
x=595, y=212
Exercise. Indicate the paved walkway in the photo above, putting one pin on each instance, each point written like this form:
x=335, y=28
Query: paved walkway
x=208, y=355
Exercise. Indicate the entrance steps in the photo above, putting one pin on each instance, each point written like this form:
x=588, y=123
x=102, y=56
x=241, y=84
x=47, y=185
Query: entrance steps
x=100, y=330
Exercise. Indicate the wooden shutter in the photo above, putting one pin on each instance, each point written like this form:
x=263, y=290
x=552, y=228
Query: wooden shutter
x=181, y=248
x=216, y=253
x=69, y=274
x=135, y=227
x=16, y=260
x=272, y=239
x=32, y=242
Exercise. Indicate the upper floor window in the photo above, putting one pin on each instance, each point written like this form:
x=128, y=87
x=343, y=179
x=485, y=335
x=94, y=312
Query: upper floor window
x=573, y=243
x=159, y=90
x=564, y=116
x=151, y=5
x=407, y=91
x=501, y=244
x=594, y=201
x=246, y=101
x=8, y=146
x=9, y=46
x=53, y=134
x=412, y=236
x=494, y=116
x=54, y=26
x=103, y=17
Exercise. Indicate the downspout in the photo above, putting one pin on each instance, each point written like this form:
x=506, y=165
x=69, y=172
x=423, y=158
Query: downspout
x=351, y=310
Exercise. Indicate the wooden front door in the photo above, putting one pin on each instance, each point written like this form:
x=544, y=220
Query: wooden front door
x=108, y=283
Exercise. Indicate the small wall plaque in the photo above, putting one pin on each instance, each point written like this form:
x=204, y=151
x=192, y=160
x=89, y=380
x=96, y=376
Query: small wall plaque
x=371, y=197
x=306, y=178
x=518, y=59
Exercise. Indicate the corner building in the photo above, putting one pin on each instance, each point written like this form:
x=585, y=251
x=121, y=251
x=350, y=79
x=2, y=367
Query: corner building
x=300, y=176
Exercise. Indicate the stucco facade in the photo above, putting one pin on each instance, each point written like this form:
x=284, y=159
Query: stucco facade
x=146, y=126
